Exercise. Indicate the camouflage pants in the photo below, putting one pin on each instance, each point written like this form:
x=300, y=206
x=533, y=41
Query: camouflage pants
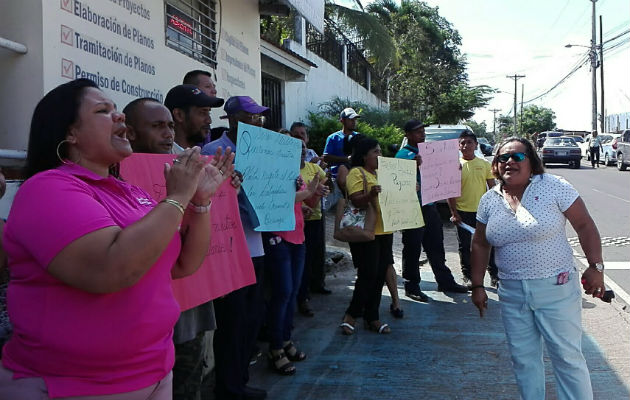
x=188, y=369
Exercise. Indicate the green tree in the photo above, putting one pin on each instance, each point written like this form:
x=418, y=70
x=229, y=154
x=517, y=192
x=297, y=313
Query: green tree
x=505, y=126
x=431, y=81
x=480, y=129
x=537, y=119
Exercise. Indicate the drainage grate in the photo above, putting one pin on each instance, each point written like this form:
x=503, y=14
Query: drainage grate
x=606, y=241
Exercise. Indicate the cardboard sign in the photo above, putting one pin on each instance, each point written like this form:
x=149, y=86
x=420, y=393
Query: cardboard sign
x=270, y=164
x=440, y=172
x=227, y=266
x=400, y=208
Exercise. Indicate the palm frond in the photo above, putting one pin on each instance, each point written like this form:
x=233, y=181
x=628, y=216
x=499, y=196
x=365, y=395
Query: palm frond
x=376, y=39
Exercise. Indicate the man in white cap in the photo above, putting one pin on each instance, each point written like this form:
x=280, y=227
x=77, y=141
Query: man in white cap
x=333, y=151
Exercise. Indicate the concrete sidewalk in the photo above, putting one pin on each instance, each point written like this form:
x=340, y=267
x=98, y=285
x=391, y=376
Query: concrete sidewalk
x=439, y=350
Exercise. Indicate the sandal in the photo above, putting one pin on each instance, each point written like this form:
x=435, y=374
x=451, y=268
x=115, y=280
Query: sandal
x=347, y=325
x=292, y=352
x=396, y=312
x=280, y=364
x=376, y=326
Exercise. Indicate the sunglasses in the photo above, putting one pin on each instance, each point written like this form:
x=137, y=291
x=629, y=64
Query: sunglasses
x=518, y=157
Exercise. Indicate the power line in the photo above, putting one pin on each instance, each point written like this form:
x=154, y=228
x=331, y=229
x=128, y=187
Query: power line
x=574, y=70
x=618, y=36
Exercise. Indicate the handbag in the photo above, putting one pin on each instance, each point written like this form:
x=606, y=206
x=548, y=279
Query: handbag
x=354, y=224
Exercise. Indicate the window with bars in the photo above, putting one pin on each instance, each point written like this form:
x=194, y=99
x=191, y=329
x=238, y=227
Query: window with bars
x=191, y=29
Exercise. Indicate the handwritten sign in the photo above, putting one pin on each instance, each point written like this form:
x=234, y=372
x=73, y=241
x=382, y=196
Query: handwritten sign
x=270, y=164
x=227, y=266
x=440, y=174
x=400, y=208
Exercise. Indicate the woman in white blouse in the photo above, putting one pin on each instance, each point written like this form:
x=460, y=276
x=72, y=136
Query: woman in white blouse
x=524, y=219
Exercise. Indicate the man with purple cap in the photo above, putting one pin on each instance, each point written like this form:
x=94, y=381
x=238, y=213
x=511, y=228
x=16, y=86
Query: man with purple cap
x=239, y=313
x=190, y=108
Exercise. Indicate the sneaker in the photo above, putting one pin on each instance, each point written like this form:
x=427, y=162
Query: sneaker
x=412, y=290
x=453, y=288
x=418, y=296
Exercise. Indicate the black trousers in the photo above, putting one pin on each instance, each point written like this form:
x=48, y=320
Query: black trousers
x=371, y=260
x=594, y=155
x=239, y=317
x=464, y=239
x=315, y=243
x=431, y=237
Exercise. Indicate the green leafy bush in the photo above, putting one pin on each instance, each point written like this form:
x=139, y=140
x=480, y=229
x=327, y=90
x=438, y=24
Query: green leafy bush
x=322, y=125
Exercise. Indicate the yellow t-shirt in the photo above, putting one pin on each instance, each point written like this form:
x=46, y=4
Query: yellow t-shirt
x=475, y=173
x=354, y=183
x=308, y=173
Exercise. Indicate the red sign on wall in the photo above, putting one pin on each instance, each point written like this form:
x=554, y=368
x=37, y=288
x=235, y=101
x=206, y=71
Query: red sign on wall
x=180, y=22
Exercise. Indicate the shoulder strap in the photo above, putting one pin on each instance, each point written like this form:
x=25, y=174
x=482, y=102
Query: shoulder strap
x=364, y=180
x=410, y=148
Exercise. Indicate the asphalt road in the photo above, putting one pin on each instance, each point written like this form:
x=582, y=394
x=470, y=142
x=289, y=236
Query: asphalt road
x=606, y=192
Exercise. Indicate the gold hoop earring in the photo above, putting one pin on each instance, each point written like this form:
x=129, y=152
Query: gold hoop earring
x=65, y=160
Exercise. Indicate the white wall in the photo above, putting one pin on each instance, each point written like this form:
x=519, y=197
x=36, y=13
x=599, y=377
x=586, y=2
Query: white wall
x=49, y=29
x=21, y=85
x=322, y=84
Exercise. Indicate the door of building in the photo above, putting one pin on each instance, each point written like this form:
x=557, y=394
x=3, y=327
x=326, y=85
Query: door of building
x=272, y=98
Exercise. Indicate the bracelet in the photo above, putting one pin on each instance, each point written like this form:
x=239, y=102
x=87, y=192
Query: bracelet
x=477, y=287
x=197, y=209
x=175, y=204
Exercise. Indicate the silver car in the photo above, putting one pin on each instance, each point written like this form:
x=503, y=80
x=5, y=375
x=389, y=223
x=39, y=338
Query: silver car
x=608, y=149
x=561, y=150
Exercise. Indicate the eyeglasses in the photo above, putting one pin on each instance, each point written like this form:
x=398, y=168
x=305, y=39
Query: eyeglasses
x=518, y=157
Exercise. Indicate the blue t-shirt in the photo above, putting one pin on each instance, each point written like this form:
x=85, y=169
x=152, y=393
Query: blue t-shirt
x=334, y=147
x=409, y=152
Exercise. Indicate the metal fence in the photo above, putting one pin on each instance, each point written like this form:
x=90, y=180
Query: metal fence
x=325, y=45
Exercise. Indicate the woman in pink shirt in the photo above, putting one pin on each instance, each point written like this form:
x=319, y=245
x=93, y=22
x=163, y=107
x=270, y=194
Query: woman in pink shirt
x=284, y=261
x=91, y=257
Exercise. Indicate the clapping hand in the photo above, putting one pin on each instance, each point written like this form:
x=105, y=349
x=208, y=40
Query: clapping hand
x=313, y=185
x=213, y=175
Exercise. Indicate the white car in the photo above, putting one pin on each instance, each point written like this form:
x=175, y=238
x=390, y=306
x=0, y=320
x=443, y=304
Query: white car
x=584, y=147
x=445, y=132
x=608, y=149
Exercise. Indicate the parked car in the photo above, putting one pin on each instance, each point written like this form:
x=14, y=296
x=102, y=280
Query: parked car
x=608, y=149
x=584, y=147
x=578, y=139
x=623, y=150
x=485, y=146
x=542, y=137
x=445, y=132
x=561, y=150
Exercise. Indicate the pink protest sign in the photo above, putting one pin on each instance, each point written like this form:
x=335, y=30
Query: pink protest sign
x=440, y=175
x=227, y=266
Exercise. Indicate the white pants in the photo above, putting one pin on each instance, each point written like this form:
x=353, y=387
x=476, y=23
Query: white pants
x=537, y=309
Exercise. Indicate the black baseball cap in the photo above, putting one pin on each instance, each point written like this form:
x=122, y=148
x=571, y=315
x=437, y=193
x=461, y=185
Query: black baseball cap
x=190, y=95
x=414, y=124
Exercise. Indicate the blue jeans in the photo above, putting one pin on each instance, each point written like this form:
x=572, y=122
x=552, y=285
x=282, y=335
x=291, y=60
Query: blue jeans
x=284, y=264
x=534, y=310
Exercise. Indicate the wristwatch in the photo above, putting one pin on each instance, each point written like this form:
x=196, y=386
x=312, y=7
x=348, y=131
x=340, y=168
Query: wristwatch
x=598, y=266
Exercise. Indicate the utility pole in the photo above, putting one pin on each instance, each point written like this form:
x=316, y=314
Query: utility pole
x=601, y=72
x=522, y=92
x=515, y=77
x=494, y=122
x=593, y=55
